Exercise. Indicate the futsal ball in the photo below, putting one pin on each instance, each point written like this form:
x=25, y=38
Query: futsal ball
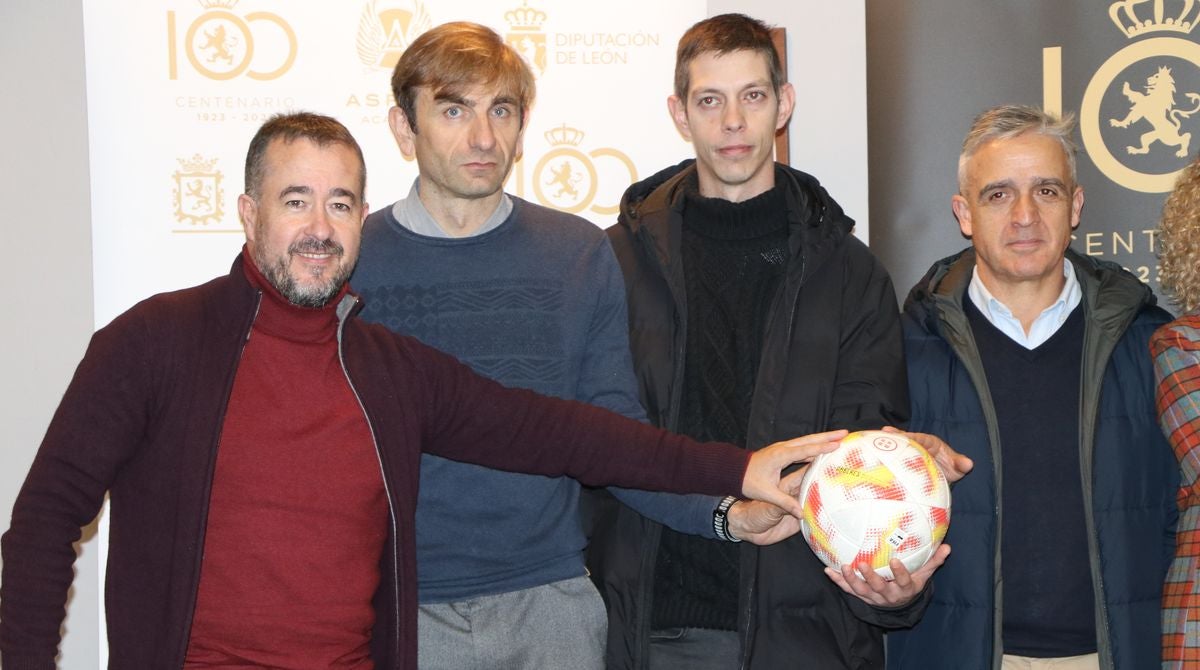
x=876, y=497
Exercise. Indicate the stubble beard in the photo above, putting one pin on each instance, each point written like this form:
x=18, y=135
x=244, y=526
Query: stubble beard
x=314, y=295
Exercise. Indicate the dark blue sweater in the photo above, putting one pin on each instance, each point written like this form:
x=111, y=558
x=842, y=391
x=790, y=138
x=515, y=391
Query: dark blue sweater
x=537, y=303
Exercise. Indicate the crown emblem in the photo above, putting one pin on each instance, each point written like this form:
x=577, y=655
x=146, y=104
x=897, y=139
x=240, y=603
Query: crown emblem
x=564, y=135
x=1172, y=16
x=525, y=18
x=218, y=4
x=196, y=164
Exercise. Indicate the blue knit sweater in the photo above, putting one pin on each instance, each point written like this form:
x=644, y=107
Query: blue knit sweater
x=538, y=303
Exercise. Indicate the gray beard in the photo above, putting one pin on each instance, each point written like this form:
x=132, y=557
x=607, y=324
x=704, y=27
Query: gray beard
x=316, y=295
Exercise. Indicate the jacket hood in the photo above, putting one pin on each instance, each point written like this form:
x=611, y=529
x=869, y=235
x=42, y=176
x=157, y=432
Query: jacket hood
x=817, y=223
x=1111, y=293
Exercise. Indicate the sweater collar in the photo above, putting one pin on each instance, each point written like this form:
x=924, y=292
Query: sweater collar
x=720, y=219
x=278, y=317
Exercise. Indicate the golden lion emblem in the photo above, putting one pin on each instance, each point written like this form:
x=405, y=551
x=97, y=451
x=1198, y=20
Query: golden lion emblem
x=1157, y=106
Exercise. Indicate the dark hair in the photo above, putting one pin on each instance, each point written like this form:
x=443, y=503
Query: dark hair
x=321, y=130
x=724, y=34
x=455, y=55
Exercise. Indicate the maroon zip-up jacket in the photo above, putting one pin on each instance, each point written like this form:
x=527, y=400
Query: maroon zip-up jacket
x=141, y=420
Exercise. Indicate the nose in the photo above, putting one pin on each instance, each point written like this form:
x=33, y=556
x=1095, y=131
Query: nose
x=1025, y=210
x=482, y=135
x=733, y=120
x=319, y=226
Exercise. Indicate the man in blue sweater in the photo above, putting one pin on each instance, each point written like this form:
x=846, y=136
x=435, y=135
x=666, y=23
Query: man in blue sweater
x=532, y=298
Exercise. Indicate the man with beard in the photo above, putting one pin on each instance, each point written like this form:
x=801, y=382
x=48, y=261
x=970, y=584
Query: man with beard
x=260, y=448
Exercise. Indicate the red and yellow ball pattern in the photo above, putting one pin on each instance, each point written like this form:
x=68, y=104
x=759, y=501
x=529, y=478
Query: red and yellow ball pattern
x=878, y=496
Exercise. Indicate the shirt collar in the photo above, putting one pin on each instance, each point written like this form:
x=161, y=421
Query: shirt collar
x=1044, y=326
x=412, y=214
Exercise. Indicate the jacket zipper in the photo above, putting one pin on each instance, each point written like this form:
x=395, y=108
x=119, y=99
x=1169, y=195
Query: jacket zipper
x=187, y=625
x=744, y=633
x=343, y=311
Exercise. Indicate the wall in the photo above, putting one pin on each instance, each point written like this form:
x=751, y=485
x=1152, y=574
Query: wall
x=44, y=185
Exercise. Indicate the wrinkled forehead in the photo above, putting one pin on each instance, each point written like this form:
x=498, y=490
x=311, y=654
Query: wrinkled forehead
x=294, y=159
x=1029, y=153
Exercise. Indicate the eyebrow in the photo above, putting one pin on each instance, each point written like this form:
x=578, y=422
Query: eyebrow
x=758, y=83
x=295, y=189
x=336, y=192
x=457, y=99
x=1051, y=181
x=339, y=192
x=1008, y=183
x=454, y=98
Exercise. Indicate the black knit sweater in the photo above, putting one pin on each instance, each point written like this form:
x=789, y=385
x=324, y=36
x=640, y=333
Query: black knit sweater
x=734, y=256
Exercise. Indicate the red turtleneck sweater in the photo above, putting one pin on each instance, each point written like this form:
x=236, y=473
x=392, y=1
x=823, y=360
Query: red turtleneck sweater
x=298, y=515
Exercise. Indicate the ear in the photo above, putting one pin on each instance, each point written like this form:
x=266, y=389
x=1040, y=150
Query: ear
x=962, y=212
x=787, y=103
x=678, y=109
x=248, y=213
x=405, y=137
x=1076, y=207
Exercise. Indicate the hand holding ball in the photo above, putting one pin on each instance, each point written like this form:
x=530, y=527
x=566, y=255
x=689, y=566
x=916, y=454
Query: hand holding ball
x=878, y=496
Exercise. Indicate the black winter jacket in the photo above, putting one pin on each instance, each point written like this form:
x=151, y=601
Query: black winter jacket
x=832, y=358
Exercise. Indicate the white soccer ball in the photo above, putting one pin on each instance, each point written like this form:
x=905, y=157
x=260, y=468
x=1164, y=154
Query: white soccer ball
x=878, y=496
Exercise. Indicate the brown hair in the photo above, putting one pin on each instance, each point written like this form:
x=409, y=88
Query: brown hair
x=1179, y=240
x=455, y=55
x=321, y=130
x=724, y=34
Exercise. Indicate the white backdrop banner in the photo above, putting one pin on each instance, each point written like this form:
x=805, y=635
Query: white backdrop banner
x=176, y=89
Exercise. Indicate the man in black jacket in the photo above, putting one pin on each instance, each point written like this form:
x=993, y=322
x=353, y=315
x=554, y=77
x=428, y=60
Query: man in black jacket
x=753, y=313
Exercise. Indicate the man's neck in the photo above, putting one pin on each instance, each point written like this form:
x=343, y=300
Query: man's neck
x=714, y=188
x=459, y=217
x=1025, y=299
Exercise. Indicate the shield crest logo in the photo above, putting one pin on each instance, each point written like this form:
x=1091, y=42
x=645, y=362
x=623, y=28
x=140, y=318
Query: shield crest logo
x=198, y=196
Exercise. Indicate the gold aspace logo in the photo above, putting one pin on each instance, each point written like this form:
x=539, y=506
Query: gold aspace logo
x=198, y=196
x=221, y=45
x=384, y=33
x=1145, y=144
x=566, y=178
x=526, y=36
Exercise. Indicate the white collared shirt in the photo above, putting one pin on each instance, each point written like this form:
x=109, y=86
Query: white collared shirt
x=412, y=214
x=1044, y=326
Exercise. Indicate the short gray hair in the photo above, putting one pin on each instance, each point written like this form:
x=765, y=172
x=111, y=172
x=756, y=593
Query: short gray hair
x=1009, y=121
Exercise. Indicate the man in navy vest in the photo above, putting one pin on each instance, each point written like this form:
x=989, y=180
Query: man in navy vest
x=1033, y=360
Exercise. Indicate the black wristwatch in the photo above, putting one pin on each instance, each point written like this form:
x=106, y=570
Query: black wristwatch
x=721, y=519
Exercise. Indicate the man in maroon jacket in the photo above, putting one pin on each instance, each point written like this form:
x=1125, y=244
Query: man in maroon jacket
x=260, y=449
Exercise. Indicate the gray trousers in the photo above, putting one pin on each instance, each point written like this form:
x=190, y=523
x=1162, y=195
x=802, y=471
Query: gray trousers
x=562, y=625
